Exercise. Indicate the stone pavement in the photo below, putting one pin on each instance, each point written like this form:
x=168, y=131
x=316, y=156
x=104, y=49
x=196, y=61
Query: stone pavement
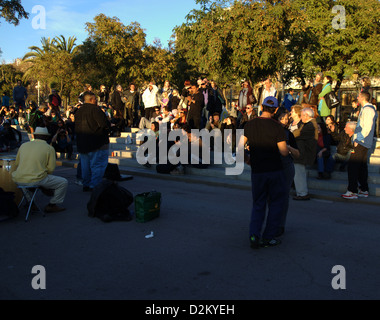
x=200, y=249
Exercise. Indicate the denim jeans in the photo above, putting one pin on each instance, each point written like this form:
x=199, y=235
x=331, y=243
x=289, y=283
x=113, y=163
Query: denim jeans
x=94, y=165
x=267, y=191
x=300, y=180
x=289, y=172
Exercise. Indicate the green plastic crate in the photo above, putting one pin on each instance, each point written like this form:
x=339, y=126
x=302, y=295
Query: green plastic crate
x=147, y=206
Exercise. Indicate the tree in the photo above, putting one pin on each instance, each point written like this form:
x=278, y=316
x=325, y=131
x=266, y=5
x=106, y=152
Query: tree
x=287, y=39
x=115, y=49
x=12, y=11
x=8, y=77
x=158, y=63
x=231, y=41
x=53, y=64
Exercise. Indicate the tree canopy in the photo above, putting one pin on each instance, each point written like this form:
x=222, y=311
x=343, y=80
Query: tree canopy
x=231, y=40
x=12, y=11
x=226, y=40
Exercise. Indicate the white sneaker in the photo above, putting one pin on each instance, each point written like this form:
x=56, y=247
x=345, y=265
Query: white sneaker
x=350, y=195
x=363, y=194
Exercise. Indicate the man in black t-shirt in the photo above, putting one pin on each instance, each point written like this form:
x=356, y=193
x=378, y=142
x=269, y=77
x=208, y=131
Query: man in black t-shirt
x=267, y=142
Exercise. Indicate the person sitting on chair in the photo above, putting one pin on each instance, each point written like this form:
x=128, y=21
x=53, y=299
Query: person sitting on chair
x=35, y=163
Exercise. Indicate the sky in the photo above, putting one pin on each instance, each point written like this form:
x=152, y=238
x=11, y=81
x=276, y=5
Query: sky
x=68, y=18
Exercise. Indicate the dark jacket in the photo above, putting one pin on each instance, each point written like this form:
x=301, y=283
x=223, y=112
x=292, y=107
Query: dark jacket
x=307, y=143
x=312, y=93
x=133, y=100
x=19, y=94
x=92, y=128
x=344, y=142
x=117, y=101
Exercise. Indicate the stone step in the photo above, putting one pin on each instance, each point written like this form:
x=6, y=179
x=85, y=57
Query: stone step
x=123, y=147
x=343, y=176
x=121, y=140
x=338, y=183
x=330, y=190
x=123, y=155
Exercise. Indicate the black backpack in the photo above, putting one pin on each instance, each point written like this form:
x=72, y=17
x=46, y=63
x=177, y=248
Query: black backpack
x=8, y=206
x=109, y=202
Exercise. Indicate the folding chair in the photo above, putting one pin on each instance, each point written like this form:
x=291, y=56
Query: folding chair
x=29, y=192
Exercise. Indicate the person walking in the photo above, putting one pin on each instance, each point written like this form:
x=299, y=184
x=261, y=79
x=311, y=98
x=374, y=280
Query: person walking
x=92, y=130
x=267, y=143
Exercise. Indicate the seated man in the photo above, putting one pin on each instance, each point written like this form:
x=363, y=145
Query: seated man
x=62, y=143
x=145, y=123
x=35, y=163
x=214, y=122
x=345, y=146
x=8, y=137
x=165, y=117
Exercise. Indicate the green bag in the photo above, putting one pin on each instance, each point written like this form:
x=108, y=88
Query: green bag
x=147, y=206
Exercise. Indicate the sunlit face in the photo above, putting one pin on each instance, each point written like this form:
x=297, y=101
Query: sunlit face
x=348, y=130
x=304, y=117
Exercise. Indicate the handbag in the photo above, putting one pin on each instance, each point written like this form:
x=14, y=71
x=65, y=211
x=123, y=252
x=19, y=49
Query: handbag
x=332, y=100
x=147, y=206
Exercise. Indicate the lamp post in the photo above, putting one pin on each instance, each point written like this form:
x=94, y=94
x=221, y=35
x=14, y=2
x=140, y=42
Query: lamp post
x=38, y=92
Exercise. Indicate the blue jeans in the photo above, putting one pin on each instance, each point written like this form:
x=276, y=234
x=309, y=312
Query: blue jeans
x=268, y=189
x=289, y=172
x=94, y=165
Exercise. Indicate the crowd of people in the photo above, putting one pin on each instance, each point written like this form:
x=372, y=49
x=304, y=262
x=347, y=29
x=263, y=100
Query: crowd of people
x=302, y=132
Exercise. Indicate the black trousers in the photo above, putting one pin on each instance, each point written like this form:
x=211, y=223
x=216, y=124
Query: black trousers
x=358, y=170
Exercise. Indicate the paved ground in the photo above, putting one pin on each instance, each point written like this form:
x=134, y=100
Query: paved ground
x=200, y=250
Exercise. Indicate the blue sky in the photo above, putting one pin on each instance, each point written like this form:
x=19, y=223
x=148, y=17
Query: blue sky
x=156, y=17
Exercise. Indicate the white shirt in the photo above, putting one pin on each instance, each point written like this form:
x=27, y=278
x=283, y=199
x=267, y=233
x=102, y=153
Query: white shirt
x=150, y=97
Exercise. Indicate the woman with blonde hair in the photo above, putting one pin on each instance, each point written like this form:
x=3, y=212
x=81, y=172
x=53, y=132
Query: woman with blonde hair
x=295, y=117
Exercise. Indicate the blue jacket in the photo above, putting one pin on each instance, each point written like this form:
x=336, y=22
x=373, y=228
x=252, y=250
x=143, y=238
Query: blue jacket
x=365, y=129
